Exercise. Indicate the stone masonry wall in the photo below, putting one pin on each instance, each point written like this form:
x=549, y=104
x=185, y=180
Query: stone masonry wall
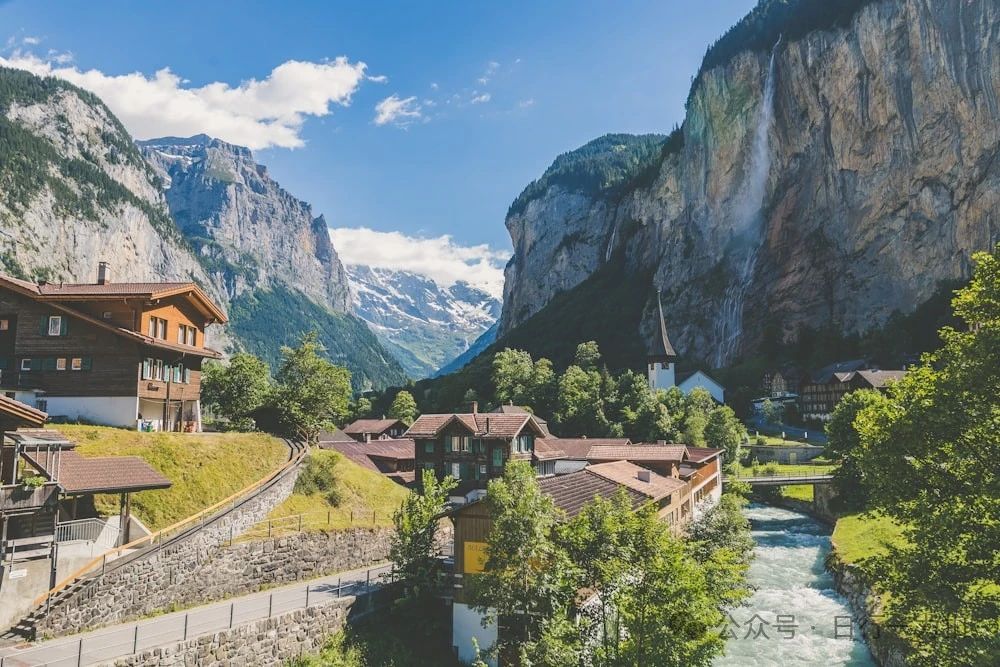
x=154, y=579
x=271, y=641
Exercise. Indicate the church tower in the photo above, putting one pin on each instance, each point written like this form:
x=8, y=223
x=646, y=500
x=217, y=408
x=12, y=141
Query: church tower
x=661, y=355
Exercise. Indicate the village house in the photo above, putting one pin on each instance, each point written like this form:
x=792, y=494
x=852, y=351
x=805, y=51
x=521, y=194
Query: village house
x=119, y=354
x=823, y=390
x=671, y=496
x=392, y=457
x=472, y=447
x=365, y=430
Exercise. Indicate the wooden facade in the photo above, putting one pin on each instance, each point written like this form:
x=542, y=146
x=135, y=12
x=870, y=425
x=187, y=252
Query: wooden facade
x=93, y=355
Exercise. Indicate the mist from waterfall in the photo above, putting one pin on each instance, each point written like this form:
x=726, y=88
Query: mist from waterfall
x=749, y=225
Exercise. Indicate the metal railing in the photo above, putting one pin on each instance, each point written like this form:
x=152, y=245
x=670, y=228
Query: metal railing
x=99, y=564
x=798, y=470
x=89, y=530
x=129, y=639
x=331, y=519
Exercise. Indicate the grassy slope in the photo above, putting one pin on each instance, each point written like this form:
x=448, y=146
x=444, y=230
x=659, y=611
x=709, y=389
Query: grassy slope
x=204, y=468
x=362, y=491
x=858, y=537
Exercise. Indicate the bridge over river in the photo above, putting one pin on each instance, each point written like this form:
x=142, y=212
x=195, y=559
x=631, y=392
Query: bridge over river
x=780, y=478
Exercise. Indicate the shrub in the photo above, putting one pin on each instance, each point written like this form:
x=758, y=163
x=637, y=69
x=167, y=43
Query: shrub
x=320, y=476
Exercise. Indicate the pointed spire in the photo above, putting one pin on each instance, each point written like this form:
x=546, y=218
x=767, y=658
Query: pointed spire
x=660, y=348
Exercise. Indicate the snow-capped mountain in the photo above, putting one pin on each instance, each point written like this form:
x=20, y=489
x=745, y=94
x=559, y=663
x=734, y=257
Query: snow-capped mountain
x=425, y=325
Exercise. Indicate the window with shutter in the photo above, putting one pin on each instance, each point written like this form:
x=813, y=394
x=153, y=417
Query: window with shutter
x=147, y=368
x=187, y=376
x=88, y=363
x=36, y=364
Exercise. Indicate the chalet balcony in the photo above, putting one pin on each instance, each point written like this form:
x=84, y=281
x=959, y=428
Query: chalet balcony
x=17, y=499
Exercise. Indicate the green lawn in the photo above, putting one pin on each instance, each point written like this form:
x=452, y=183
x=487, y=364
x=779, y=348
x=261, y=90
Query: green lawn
x=786, y=469
x=204, y=467
x=367, y=498
x=798, y=492
x=858, y=537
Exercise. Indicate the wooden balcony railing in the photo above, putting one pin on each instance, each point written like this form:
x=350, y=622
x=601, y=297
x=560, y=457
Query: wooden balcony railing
x=16, y=499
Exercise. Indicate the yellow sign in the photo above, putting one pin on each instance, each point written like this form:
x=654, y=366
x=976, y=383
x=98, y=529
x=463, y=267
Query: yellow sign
x=475, y=557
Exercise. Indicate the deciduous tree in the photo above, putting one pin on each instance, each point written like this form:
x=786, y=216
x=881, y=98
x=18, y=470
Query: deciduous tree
x=404, y=407
x=311, y=393
x=237, y=389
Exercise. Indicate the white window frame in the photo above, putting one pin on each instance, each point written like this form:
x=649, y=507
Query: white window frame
x=456, y=470
x=158, y=369
x=25, y=365
x=4, y=324
x=60, y=363
x=57, y=321
x=76, y=363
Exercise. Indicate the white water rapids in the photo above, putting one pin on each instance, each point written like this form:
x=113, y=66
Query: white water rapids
x=791, y=582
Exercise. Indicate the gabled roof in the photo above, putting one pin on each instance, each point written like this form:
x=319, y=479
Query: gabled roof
x=362, y=453
x=547, y=449
x=638, y=453
x=15, y=414
x=687, y=375
x=361, y=426
x=635, y=478
x=879, y=379
x=483, y=425
x=702, y=454
x=31, y=291
x=579, y=448
x=104, y=474
x=660, y=348
x=827, y=373
x=136, y=290
x=336, y=435
x=571, y=492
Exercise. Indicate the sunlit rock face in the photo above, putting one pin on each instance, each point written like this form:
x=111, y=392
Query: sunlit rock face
x=881, y=180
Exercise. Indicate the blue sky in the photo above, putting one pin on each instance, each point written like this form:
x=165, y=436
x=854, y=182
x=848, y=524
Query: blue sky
x=499, y=89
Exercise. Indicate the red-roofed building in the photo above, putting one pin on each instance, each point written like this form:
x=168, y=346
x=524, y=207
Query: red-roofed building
x=364, y=430
x=111, y=353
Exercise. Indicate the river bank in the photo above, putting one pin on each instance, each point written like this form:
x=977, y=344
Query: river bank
x=850, y=582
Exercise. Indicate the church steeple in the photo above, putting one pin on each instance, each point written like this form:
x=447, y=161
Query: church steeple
x=661, y=354
x=660, y=348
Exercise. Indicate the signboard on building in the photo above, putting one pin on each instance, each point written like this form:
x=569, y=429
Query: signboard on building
x=474, y=560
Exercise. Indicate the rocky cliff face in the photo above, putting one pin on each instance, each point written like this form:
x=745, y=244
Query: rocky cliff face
x=76, y=191
x=243, y=224
x=870, y=175
x=424, y=324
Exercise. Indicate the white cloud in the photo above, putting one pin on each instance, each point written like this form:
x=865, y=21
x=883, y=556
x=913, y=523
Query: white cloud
x=397, y=111
x=31, y=41
x=381, y=78
x=524, y=104
x=255, y=113
x=481, y=99
x=440, y=259
x=491, y=69
x=434, y=86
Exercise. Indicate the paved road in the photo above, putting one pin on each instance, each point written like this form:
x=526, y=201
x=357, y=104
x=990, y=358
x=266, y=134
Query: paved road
x=109, y=643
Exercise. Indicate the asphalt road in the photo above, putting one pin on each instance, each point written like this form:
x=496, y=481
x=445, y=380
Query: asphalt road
x=113, y=642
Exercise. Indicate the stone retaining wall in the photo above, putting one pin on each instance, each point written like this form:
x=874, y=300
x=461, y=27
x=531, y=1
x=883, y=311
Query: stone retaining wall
x=156, y=578
x=271, y=641
x=783, y=453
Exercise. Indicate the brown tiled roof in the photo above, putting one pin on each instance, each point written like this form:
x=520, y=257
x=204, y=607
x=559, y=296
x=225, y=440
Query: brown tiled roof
x=548, y=449
x=17, y=414
x=361, y=426
x=879, y=379
x=30, y=290
x=140, y=290
x=631, y=475
x=571, y=492
x=104, y=474
x=702, y=454
x=637, y=453
x=362, y=452
x=336, y=435
x=579, y=448
x=486, y=425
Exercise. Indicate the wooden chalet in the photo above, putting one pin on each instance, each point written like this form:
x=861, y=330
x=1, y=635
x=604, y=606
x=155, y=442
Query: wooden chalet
x=121, y=354
x=366, y=430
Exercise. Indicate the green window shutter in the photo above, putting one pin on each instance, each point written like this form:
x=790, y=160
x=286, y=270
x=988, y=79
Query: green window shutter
x=86, y=363
x=64, y=326
x=36, y=364
x=447, y=443
x=429, y=447
x=49, y=364
x=43, y=326
x=4, y=363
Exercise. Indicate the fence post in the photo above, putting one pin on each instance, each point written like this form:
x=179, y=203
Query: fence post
x=270, y=604
x=269, y=528
x=307, y=595
x=185, y=627
x=300, y=523
x=232, y=612
x=79, y=653
x=338, y=587
x=327, y=523
x=135, y=640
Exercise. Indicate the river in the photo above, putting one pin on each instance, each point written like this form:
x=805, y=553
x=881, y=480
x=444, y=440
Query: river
x=795, y=616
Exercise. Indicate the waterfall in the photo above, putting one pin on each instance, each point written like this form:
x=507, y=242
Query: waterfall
x=749, y=225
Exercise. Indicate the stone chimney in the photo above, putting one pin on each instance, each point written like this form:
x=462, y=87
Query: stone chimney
x=103, y=273
x=473, y=406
